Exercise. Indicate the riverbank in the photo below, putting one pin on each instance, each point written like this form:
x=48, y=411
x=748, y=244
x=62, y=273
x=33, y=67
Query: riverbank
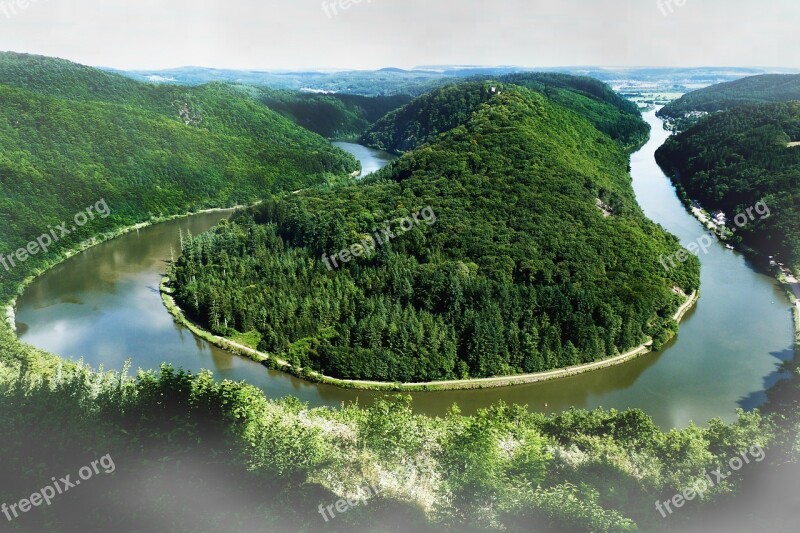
x=10, y=306
x=789, y=282
x=791, y=286
x=271, y=361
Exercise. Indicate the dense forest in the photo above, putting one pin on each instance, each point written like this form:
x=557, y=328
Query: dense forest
x=767, y=88
x=442, y=109
x=520, y=271
x=71, y=136
x=734, y=159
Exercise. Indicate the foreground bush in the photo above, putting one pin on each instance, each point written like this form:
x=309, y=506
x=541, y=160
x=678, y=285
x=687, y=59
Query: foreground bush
x=184, y=444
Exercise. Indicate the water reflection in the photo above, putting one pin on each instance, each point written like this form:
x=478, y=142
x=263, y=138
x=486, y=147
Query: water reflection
x=371, y=159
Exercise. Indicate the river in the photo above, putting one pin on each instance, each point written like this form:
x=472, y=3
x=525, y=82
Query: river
x=104, y=305
x=371, y=159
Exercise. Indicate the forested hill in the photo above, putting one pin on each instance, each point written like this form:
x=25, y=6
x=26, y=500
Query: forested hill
x=513, y=268
x=737, y=158
x=219, y=107
x=70, y=136
x=766, y=88
x=65, y=79
x=449, y=106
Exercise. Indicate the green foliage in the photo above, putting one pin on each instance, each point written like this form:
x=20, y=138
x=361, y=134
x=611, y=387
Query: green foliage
x=594, y=100
x=501, y=469
x=250, y=339
x=486, y=455
x=390, y=429
x=278, y=447
x=737, y=158
x=473, y=466
x=563, y=508
x=429, y=116
x=520, y=272
x=730, y=440
x=64, y=79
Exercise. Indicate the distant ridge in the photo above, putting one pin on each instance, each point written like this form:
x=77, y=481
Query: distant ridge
x=765, y=88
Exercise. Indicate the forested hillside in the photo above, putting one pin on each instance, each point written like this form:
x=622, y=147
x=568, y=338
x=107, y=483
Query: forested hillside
x=427, y=117
x=65, y=79
x=444, y=108
x=737, y=158
x=520, y=271
x=75, y=135
x=766, y=88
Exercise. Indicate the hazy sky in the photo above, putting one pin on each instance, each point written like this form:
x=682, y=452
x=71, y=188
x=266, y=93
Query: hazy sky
x=264, y=34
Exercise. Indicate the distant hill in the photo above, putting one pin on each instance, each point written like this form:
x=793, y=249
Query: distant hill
x=71, y=135
x=610, y=113
x=724, y=96
x=736, y=158
x=449, y=106
x=419, y=80
x=384, y=82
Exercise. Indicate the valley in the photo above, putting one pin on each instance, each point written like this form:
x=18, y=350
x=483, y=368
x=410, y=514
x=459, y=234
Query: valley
x=538, y=214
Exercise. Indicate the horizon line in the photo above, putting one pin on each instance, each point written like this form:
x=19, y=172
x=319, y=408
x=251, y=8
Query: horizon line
x=422, y=67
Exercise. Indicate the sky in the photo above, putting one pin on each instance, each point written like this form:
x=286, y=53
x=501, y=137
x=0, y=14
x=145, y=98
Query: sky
x=370, y=34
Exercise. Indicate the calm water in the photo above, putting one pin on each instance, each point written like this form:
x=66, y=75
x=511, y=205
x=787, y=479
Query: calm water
x=371, y=159
x=104, y=305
